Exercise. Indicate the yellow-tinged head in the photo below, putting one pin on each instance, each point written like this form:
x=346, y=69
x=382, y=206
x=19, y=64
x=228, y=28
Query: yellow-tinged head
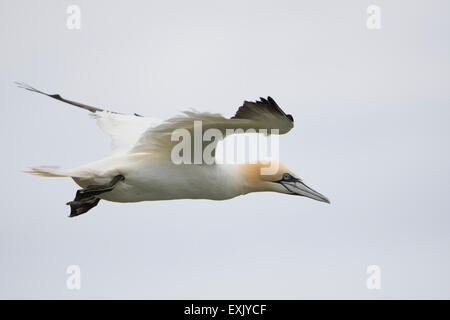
x=276, y=177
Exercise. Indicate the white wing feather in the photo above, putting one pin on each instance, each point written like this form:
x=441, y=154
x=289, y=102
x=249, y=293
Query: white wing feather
x=124, y=130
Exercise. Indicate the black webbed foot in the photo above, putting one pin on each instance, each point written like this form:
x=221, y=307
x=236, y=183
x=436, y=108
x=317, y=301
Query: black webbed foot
x=86, y=198
x=78, y=207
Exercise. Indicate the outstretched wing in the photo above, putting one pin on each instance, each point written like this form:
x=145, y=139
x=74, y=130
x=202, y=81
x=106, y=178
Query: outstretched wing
x=263, y=114
x=124, y=130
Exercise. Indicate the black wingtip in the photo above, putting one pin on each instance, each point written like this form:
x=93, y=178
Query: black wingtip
x=26, y=86
x=22, y=85
x=271, y=100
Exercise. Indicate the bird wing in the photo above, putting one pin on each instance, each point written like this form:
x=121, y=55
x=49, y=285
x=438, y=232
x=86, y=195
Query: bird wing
x=123, y=129
x=263, y=114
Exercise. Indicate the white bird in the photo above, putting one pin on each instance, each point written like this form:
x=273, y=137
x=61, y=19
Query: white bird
x=140, y=167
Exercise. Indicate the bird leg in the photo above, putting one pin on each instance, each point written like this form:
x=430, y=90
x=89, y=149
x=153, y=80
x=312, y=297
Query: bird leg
x=86, y=198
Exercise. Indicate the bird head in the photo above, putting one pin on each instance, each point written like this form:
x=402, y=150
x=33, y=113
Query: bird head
x=279, y=179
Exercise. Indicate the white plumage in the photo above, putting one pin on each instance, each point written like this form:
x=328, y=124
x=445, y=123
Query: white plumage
x=124, y=130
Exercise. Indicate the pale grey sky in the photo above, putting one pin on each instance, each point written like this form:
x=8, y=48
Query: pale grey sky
x=372, y=133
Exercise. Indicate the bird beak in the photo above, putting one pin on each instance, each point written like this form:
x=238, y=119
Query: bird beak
x=297, y=187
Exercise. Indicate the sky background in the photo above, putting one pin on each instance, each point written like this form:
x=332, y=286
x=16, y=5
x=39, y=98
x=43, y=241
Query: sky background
x=372, y=133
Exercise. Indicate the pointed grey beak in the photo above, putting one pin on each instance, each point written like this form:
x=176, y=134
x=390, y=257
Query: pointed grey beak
x=299, y=188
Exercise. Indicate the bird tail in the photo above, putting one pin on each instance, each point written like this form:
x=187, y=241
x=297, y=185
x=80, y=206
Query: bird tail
x=58, y=172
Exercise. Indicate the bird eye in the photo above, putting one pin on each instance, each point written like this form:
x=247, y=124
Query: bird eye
x=287, y=176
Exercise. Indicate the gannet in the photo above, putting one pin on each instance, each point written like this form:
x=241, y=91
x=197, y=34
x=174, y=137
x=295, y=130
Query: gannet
x=140, y=166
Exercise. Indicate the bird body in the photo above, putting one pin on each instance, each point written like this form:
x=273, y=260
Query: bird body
x=142, y=167
x=151, y=177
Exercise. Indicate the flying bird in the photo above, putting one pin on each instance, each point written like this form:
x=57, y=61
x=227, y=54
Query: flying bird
x=140, y=167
